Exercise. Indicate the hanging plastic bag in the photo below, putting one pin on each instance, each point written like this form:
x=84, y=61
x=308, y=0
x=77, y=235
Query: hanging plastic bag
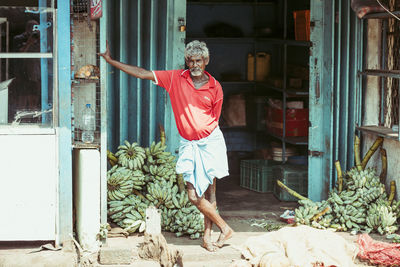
x=96, y=9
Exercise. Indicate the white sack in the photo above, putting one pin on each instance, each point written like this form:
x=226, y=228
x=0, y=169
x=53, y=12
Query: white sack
x=299, y=246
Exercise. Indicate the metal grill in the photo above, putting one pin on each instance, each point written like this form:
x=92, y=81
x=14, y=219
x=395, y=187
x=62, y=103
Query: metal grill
x=396, y=82
x=392, y=62
x=80, y=6
x=86, y=83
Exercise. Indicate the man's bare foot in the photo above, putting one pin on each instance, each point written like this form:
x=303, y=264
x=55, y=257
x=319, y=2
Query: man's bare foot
x=209, y=246
x=225, y=235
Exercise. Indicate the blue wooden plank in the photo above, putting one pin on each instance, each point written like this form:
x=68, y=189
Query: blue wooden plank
x=139, y=62
x=64, y=130
x=321, y=85
x=123, y=77
x=112, y=142
x=152, y=65
x=338, y=42
x=175, y=47
x=104, y=115
x=152, y=27
x=132, y=59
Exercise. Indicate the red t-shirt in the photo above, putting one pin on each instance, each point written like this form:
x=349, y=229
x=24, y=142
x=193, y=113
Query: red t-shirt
x=196, y=111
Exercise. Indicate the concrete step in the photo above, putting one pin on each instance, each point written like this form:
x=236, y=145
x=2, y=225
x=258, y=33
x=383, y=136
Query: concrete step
x=203, y=263
x=40, y=259
x=135, y=263
x=207, y=263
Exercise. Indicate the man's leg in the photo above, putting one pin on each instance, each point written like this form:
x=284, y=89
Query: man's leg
x=210, y=196
x=209, y=211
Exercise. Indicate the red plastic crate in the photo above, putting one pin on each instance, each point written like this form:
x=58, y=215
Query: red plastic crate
x=296, y=121
x=302, y=25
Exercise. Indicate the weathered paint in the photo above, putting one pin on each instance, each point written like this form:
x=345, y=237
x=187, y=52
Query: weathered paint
x=103, y=122
x=321, y=89
x=148, y=36
x=335, y=91
x=65, y=228
x=347, y=94
x=372, y=105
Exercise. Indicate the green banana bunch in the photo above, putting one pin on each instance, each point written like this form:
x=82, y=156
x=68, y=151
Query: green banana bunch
x=138, y=179
x=128, y=213
x=155, y=149
x=161, y=192
x=395, y=238
x=188, y=221
x=381, y=218
x=131, y=156
x=144, y=177
x=119, y=183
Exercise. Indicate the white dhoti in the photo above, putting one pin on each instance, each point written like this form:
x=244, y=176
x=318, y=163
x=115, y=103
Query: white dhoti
x=200, y=161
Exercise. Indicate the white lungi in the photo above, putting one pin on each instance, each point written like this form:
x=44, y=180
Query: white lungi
x=200, y=161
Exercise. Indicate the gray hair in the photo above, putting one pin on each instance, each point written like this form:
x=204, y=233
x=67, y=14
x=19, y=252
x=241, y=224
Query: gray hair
x=196, y=48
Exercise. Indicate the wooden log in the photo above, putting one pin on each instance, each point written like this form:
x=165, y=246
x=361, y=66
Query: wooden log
x=378, y=142
x=383, y=175
x=357, y=157
x=340, y=176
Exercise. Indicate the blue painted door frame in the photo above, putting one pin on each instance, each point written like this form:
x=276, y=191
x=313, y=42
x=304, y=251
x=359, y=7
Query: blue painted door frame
x=64, y=226
x=334, y=92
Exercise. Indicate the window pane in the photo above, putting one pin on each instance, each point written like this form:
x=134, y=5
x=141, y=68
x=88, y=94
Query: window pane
x=29, y=94
x=26, y=30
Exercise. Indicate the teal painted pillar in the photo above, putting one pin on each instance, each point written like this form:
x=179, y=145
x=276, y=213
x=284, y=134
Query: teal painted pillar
x=65, y=228
x=104, y=115
x=175, y=60
x=321, y=96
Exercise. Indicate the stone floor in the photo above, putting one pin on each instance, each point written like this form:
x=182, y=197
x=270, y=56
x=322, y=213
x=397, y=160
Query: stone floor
x=237, y=206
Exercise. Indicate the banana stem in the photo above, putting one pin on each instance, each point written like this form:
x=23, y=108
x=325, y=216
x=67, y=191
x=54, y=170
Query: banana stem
x=340, y=176
x=318, y=215
x=162, y=135
x=181, y=183
x=112, y=163
x=291, y=191
x=138, y=194
x=111, y=156
x=357, y=153
x=392, y=192
x=383, y=174
x=378, y=142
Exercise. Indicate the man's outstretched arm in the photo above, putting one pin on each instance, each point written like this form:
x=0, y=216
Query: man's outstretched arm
x=134, y=71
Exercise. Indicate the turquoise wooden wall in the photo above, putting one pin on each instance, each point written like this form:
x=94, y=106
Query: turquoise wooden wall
x=335, y=97
x=144, y=33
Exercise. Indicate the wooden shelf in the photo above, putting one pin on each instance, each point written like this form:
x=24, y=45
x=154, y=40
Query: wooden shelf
x=294, y=140
x=79, y=80
x=289, y=91
x=230, y=3
x=379, y=131
x=381, y=15
x=81, y=145
x=381, y=73
x=250, y=39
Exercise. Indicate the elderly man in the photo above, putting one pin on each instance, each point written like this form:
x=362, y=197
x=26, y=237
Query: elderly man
x=196, y=99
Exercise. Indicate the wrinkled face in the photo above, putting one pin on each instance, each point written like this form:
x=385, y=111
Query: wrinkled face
x=197, y=65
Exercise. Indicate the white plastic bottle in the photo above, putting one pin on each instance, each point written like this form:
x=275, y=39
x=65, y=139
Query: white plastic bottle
x=88, y=124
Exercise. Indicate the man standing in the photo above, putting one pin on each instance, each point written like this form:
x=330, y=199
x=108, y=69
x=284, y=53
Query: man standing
x=196, y=99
